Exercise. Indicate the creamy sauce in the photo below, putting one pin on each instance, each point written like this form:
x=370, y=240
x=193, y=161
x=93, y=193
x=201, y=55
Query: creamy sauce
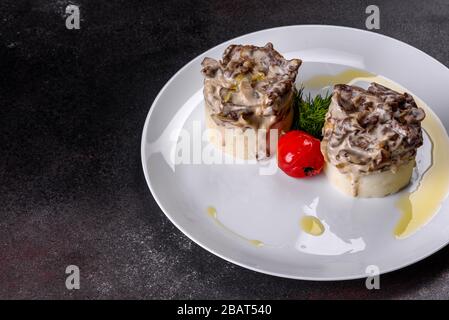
x=312, y=225
x=212, y=212
x=419, y=206
x=250, y=87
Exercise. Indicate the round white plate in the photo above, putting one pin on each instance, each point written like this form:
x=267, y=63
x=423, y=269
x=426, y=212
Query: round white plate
x=268, y=208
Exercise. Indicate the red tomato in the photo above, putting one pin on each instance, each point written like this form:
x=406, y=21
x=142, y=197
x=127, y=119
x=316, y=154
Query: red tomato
x=299, y=154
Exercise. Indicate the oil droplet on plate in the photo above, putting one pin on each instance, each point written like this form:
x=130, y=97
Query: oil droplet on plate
x=256, y=243
x=212, y=212
x=312, y=225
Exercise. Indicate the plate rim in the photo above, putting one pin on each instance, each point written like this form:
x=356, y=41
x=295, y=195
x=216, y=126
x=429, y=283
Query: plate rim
x=231, y=260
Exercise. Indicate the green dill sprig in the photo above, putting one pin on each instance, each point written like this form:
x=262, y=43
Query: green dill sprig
x=310, y=112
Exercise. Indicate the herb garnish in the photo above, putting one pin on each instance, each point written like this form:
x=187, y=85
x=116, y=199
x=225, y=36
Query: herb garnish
x=310, y=112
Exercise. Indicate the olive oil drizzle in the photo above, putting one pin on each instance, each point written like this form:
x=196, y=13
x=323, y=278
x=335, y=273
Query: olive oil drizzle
x=312, y=225
x=212, y=212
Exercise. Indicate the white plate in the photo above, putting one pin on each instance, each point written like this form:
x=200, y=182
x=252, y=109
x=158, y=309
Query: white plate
x=359, y=233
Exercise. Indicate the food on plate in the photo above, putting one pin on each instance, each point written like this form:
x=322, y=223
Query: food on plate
x=251, y=91
x=370, y=139
x=299, y=154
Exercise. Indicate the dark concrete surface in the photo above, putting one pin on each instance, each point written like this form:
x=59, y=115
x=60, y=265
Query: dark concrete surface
x=72, y=108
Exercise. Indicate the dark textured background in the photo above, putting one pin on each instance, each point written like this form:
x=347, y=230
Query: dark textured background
x=72, y=108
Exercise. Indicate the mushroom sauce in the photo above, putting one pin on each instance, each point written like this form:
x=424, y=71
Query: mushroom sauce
x=251, y=87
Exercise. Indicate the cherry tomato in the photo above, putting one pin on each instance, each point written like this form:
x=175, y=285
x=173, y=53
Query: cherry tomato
x=299, y=154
